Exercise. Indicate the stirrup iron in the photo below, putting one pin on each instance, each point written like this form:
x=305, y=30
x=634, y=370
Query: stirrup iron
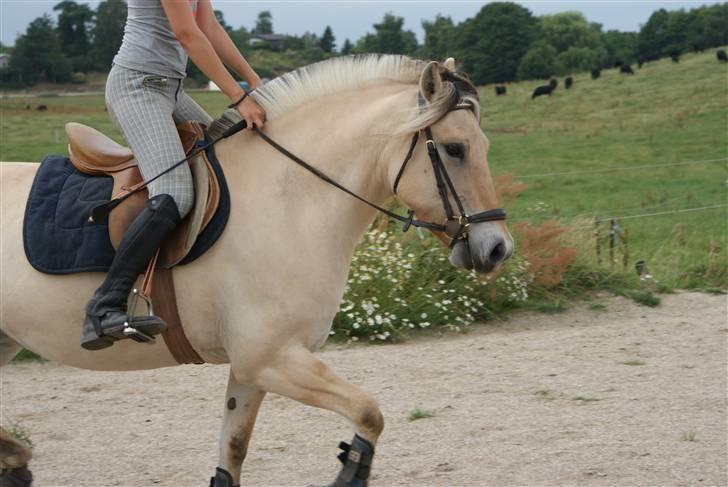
x=129, y=330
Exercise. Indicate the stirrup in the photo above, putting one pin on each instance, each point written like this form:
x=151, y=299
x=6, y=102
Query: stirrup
x=130, y=331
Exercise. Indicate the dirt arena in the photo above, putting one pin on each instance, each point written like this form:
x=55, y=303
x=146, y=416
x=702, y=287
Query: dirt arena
x=624, y=396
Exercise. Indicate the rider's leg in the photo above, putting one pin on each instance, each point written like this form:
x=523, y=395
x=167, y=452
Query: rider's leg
x=106, y=313
x=141, y=105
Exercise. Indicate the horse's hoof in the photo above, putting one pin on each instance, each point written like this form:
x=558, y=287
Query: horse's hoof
x=16, y=477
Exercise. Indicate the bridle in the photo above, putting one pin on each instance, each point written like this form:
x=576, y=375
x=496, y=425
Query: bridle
x=456, y=226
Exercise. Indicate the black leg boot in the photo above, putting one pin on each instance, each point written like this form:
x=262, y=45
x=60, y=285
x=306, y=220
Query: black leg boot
x=357, y=459
x=222, y=478
x=106, y=312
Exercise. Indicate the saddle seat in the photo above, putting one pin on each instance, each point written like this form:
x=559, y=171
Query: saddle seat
x=94, y=153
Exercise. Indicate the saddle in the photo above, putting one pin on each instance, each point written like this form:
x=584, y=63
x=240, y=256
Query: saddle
x=93, y=153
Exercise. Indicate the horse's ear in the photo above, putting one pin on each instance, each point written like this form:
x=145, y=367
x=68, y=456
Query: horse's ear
x=431, y=81
x=449, y=64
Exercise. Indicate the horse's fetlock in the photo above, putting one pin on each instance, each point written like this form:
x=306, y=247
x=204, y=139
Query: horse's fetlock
x=238, y=449
x=371, y=420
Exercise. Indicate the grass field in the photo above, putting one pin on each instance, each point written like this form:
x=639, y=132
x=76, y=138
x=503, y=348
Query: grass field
x=665, y=114
x=602, y=131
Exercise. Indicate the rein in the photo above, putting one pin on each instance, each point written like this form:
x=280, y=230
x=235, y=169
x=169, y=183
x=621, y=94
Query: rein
x=456, y=226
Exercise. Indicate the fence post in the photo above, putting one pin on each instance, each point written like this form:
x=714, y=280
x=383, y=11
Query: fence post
x=624, y=237
x=597, y=237
x=612, y=240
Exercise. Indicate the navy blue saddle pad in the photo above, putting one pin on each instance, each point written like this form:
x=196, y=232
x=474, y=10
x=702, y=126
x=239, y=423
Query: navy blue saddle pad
x=59, y=239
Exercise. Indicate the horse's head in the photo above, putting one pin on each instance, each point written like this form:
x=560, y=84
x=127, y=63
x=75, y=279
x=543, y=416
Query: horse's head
x=449, y=112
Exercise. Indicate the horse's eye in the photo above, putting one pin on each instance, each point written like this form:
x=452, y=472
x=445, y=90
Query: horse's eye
x=455, y=150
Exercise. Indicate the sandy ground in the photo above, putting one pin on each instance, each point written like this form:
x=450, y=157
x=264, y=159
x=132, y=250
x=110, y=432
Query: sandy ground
x=623, y=396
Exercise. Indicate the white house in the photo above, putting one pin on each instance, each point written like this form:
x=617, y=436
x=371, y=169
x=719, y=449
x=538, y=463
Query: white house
x=4, y=60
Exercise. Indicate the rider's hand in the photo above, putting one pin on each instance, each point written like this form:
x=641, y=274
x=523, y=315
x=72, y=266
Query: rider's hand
x=251, y=112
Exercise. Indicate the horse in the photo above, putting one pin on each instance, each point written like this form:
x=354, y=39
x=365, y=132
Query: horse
x=263, y=298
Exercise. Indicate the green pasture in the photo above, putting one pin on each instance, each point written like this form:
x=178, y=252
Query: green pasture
x=665, y=114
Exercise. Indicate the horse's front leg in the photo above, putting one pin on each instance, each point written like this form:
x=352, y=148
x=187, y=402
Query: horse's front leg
x=296, y=373
x=241, y=408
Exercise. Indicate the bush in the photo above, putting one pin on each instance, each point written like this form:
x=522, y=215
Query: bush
x=394, y=288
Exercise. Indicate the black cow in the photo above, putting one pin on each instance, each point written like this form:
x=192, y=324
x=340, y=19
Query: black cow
x=568, y=82
x=722, y=56
x=675, y=56
x=596, y=73
x=618, y=63
x=640, y=62
x=626, y=69
x=545, y=89
x=500, y=90
x=42, y=108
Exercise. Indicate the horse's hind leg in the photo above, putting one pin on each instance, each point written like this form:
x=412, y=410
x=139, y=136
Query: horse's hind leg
x=241, y=408
x=298, y=374
x=14, y=455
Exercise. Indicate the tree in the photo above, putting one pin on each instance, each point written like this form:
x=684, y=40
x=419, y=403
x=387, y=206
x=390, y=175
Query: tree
x=579, y=59
x=493, y=42
x=240, y=38
x=653, y=35
x=570, y=29
x=440, y=38
x=713, y=22
x=37, y=54
x=328, y=41
x=620, y=46
x=264, y=24
x=108, y=32
x=73, y=26
x=539, y=62
x=390, y=38
x=347, y=48
x=221, y=18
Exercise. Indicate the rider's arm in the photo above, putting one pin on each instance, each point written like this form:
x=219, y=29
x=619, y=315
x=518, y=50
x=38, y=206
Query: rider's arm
x=223, y=45
x=200, y=50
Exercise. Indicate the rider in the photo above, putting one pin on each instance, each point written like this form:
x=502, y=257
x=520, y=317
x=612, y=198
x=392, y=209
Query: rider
x=145, y=98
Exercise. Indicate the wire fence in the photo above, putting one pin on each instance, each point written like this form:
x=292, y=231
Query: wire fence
x=621, y=168
x=646, y=215
x=662, y=204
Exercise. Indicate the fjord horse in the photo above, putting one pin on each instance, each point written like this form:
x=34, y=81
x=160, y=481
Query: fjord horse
x=264, y=297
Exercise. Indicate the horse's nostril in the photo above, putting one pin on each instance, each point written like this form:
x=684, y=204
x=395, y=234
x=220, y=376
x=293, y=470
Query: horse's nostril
x=498, y=252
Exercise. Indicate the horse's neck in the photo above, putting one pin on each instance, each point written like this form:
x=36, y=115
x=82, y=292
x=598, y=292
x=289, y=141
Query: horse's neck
x=333, y=135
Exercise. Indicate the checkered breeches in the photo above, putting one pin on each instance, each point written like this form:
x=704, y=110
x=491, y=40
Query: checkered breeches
x=145, y=108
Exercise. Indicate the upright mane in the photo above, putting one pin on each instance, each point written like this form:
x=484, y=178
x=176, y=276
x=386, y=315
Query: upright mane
x=297, y=87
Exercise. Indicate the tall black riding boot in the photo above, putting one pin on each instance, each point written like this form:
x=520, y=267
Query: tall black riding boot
x=106, y=312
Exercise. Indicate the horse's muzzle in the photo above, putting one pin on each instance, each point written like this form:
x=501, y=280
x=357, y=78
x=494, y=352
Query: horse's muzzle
x=487, y=247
